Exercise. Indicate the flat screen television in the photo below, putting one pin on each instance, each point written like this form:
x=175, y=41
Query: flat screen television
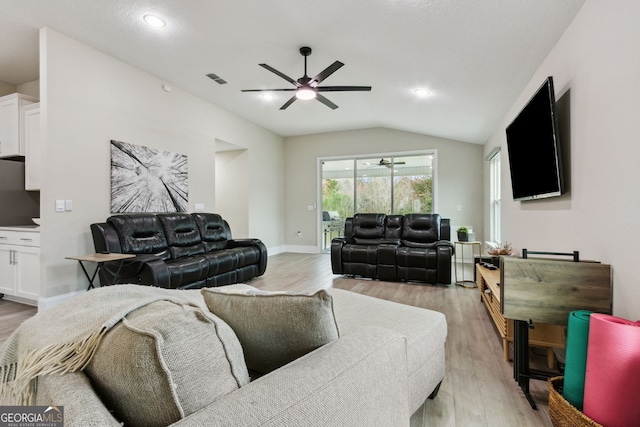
x=535, y=159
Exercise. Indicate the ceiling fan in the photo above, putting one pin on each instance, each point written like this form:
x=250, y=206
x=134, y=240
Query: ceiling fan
x=389, y=163
x=307, y=87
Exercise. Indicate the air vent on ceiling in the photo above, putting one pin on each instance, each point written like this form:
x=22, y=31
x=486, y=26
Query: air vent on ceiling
x=217, y=79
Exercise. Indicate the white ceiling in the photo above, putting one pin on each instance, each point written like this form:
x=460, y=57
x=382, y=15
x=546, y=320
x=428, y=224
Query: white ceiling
x=475, y=56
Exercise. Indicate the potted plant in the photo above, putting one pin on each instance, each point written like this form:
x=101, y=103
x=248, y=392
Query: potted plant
x=500, y=249
x=463, y=234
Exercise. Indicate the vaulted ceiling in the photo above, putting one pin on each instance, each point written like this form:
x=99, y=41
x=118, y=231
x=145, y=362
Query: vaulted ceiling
x=473, y=56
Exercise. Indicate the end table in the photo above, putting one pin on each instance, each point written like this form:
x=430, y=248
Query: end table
x=100, y=259
x=473, y=245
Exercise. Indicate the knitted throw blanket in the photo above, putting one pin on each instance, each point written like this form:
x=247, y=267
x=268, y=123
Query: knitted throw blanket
x=64, y=338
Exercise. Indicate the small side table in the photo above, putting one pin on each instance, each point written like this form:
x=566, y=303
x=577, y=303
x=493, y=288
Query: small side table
x=473, y=245
x=100, y=259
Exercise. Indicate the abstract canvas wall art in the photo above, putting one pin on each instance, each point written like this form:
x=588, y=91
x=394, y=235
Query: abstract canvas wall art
x=144, y=179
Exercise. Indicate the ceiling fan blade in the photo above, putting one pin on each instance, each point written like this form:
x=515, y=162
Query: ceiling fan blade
x=326, y=102
x=278, y=73
x=344, y=88
x=326, y=73
x=268, y=90
x=289, y=102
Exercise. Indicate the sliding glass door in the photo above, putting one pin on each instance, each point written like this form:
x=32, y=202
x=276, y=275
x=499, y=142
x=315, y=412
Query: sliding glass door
x=413, y=184
x=391, y=184
x=373, y=190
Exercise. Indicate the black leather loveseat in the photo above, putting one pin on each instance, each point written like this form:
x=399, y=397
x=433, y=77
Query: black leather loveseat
x=177, y=251
x=413, y=247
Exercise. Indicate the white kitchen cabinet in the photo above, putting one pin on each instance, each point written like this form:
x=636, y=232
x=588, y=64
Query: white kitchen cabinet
x=20, y=262
x=32, y=146
x=8, y=271
x=11, y=134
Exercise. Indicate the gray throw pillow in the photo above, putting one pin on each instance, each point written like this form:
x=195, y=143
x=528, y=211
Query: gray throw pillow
x=165, y=361
x=274, y=328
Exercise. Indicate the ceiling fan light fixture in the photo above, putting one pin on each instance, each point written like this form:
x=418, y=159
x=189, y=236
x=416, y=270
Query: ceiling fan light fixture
x=422, y=92
x=305, y=93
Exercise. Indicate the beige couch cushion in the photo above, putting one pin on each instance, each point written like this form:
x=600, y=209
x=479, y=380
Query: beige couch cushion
x=165, y=361
x=274, y=328
x=425, y=330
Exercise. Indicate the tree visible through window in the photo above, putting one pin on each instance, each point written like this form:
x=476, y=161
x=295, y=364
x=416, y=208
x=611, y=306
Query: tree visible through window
x=392, y=185
x=337, y=196
x=413, y=194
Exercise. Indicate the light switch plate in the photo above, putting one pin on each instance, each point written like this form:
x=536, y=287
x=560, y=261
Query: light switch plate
x=199, y=207
x=59, y=205
x=68, y=205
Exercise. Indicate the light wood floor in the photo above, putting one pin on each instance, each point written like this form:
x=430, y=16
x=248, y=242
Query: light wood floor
x=11, y=316
x=478, y=388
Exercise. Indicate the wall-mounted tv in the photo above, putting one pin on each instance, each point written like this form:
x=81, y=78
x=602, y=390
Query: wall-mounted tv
x=535, y=159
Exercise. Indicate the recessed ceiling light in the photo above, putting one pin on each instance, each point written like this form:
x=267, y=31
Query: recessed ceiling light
x=154, y=21
x=422, y=91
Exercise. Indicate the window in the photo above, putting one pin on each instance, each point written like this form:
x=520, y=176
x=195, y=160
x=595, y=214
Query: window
x=388, y=184
x=338, y=186
x=391, y=184
x=494, y=183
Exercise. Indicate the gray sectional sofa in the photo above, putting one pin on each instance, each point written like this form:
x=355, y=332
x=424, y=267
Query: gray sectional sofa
x=388, y=359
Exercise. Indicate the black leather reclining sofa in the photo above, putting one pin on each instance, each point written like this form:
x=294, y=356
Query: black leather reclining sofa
x=413, y=247
x=177, y=251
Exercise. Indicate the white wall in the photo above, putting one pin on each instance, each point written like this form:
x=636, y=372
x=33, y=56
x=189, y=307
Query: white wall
x=459, y=175
x=7, y=89
x=88, y=99
x=232, y=179
x=31, y=88
x=595, y=66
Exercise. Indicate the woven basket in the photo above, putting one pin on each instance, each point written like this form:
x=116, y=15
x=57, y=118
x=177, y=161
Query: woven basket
x=563, y=413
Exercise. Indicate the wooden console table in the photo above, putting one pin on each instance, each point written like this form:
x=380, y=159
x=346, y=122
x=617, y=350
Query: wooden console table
x=542, y=335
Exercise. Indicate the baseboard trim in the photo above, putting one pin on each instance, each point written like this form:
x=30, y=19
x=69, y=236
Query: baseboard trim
x=301, y=249
x=45, y=303
x=20, y=300
x=275, y=251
